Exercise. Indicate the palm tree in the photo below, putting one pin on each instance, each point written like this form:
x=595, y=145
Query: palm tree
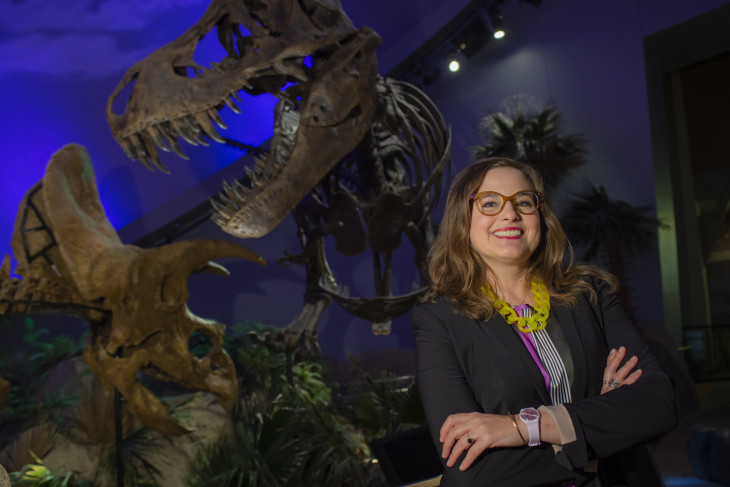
x=530, y=131
x=611, y=231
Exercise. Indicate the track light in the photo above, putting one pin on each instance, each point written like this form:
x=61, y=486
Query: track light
x=472, y=37
x=495, y=16
x=454, y=64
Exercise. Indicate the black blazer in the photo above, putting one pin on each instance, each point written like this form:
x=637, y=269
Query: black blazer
x=464, y=365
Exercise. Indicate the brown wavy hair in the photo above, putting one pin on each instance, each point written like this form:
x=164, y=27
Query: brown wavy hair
x=458, y=272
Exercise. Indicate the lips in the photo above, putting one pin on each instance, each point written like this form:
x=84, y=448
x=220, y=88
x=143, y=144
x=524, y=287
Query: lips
x=511, y=233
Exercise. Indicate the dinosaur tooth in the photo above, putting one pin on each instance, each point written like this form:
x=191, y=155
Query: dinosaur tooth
x=183, y=131
x=207, y=127
x=218, y=219
x=229, y=203
x=228, y=196
x=171, y=136
x=232, y=106
x=232, y=192
x=220, y=209
x=213, y=114
x=154, y=134
x=194, y=130
x=241, y=188
x=251, y=175
x=139, y=151
x=154, y=156
x=236, y=96
x=127, y=148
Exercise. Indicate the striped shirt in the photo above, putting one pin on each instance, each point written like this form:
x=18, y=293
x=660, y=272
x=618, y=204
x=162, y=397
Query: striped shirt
x=548, y=359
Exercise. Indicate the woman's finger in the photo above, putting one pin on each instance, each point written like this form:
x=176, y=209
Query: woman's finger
x=459, y=447
x=624, y=371
x=472, y=454
x=633, y=377
x=613, y=361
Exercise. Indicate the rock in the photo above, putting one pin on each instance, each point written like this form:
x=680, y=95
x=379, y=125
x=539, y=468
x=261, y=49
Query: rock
x=172, y=456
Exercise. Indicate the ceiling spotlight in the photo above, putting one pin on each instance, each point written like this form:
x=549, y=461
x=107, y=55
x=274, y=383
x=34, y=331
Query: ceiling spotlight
x=495, y=16
x=454, y=60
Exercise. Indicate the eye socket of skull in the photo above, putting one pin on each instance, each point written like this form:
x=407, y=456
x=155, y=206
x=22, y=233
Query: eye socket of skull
x=201, y=344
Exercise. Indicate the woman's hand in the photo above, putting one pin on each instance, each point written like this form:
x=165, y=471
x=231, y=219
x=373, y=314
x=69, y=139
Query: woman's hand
x=485, y=431
x=613, y=377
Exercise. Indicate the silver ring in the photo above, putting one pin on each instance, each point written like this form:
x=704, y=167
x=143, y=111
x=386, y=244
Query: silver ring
x=469, y=439
x=613, y=383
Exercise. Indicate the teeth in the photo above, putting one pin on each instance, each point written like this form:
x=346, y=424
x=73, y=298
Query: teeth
x=508, y=233
x=170, y=136
x=182, y=130
x=127, y=148
x=240, y=188
x=231, y=191
x=250, y=175
x=221, y=210
x=194, y=130
x=204, y=122
x=232, y=106
x=230, y=203
x=213, y=114
x=157, y=137
x=219, y=220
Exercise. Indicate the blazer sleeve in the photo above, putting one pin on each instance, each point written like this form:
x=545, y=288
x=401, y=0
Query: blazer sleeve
x=444, y=385
x=630, y=414
x=441, y=381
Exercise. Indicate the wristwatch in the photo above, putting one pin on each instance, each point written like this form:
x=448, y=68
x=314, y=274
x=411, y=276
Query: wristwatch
x=531, y=418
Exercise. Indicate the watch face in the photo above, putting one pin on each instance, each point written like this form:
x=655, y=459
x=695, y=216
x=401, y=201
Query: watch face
x=529, y=414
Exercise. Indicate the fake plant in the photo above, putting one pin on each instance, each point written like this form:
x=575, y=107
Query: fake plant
x=290, y=435
x=611, y=231
x=531, y=131
x=26, y=369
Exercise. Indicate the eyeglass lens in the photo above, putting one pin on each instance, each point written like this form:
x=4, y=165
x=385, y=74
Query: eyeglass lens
x=492, y=203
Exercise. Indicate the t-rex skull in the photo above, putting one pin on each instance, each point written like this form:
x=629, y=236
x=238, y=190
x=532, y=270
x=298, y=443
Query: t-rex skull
x=70, y=255
x=305, y=52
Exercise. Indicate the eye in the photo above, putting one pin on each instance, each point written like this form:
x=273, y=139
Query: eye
x=525, y=200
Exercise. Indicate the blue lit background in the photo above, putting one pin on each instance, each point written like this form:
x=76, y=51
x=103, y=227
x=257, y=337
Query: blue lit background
x=59, y=62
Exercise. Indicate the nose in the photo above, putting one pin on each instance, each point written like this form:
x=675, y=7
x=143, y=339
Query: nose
x=509, y=212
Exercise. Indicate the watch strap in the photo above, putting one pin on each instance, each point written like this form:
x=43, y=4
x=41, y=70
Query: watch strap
x=533, y=426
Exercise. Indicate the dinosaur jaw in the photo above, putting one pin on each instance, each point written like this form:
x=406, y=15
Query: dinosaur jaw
x=316, y=125
x=317, y=122
x=305, y=53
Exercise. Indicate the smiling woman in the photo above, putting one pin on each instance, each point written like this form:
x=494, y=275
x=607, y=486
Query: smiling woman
x=498, y=261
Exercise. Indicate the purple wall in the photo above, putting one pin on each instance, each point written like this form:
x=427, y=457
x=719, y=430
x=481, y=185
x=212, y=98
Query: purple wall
x=586, y=57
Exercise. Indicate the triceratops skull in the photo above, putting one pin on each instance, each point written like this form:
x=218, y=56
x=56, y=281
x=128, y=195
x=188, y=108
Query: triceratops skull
x=136, y=297
x=306, y=52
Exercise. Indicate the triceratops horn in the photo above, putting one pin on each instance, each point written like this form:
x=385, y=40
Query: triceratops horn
x=190, y=256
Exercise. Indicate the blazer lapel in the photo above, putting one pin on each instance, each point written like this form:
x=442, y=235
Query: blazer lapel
x=566, y=318
x=511, y=341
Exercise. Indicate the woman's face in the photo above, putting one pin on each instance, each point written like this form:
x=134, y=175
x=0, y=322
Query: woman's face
x=509, y=237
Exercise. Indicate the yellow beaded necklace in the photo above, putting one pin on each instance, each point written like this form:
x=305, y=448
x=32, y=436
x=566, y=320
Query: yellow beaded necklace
x=539, y=318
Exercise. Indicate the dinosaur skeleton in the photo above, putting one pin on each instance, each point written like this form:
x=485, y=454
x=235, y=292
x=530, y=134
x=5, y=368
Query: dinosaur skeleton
x=353, y=155
x=73, y=263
